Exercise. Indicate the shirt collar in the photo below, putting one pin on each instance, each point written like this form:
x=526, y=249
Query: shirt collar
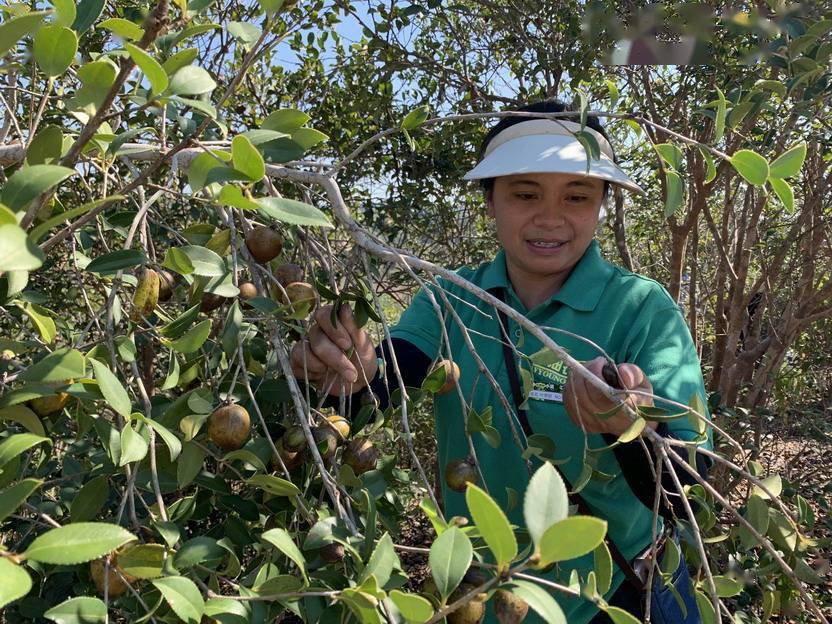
x=583, y=288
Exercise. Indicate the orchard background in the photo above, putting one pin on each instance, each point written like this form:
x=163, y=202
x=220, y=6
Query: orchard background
x=145, y=148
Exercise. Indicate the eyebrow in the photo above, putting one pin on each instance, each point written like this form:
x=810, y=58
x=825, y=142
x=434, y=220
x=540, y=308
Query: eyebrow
x=572, y=184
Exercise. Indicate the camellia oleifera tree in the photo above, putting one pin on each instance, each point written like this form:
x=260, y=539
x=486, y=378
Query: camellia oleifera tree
x=162, y=244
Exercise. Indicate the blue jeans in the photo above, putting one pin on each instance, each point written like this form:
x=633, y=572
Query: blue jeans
x=664, y=607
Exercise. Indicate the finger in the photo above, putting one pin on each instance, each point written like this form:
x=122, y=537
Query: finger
x=337, y=334
x=331, y=354
x=305, y=362
x=633, y=377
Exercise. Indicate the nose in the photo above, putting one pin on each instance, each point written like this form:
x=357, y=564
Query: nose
x=550, y=214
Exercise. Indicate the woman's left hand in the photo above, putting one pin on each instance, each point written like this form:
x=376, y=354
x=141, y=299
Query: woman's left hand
x=584, y=402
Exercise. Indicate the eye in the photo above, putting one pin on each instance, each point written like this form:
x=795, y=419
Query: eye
x=578, y=198
x=525, y=196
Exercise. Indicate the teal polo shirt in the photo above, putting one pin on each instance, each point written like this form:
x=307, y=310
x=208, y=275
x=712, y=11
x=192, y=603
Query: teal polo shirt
x=631, y=317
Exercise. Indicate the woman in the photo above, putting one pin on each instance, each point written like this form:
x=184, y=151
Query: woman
x=546, y=206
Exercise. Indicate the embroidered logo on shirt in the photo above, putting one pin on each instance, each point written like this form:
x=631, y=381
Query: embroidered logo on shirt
x=549, y=380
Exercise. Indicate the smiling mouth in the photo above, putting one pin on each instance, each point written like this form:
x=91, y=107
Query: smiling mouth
x=545, y=244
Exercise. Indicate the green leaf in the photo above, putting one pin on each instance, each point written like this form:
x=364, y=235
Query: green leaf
x=38, y=232
x=96, y=78
x=23, y=415
x=633, y=431
x=775, y=86
x=182, y=596
x=123, y=28
x=492, y=524
x=112, y=389
x=204, y=261
x=449, y=559
x=14, y=29
x=282, y=540
x=545, y=502
x=382, y=562
x=77, y=543
x=170, y=440
x=144, y=561
x=246, y=158
x=291, y=211
x=46, y=147
x=675, y=192
x=751, y=166
x=179, y=60
x=54, y=49
x=727, y=587
x=116, y=261
x=416, y=117
x=41, y=320
x=189, y=464
x=244, y=32
x=706, y=608
x=65, y=12
x=15, y=495
x=671, y=155
x=28, y=182
x=710, y=167
x=17, y=251
x=60, y=365
x=414, y=608
x=789, y=163
x=570, y=538
x=231, y=195
x=133, y=446
x=721, y=111
x=774, y=485
x=230, y=335
x=603, y=567
x=285, y=120
x=620, y=616
x=88, y=13
x=194, y=339
x=80, y=610
x=16, y=582
x=191, y=80
x=90, y=499
x=540, y=600
x=784, y=192
x=17, y=444
x=274, y=485
x=150, y=67
x=180, y=324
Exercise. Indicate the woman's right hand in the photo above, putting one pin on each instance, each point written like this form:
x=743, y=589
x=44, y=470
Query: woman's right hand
x=321, y=357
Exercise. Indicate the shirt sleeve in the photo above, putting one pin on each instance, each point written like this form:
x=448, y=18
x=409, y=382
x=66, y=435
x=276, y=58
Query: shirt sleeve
x=420, y=325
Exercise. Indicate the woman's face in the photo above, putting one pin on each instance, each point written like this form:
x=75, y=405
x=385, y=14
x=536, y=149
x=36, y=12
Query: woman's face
x=545, y=221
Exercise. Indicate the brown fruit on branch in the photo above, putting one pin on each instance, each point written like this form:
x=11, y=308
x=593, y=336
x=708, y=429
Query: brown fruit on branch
x=115, y=585
x=166, y=283
x=326, y=440
x=451, y=375
x=294, y=439
x=229, y=426
x=264, y=243
x=291, y=459
x=340, y=424
x=287, y=273
x=360, y=455
x=472, y=611
x=247, y=291
x=460, y=472
x=510, y=608
x=146, y=295
x=332, y=552
x=301, y=297
x=210, y=302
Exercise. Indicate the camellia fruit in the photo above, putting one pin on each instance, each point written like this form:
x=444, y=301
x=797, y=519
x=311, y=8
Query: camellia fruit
x=229, y=426
x=146, y=295
x=326, y=440
x=301, y=296
x=264, y=243
x=360, y=455
x=340, y=424
x=166, y=284
x=115, y=585
x=210, y=302
x=287, y=273
x=46, y=405
x=291, y=459
x=247, y=291
x=451, y=375
x=294, y=439
x=332, y=552
x=460, y=472
x=509, y=608
x=472, y=611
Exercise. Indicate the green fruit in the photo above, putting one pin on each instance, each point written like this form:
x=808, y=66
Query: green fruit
x=146, y=295
x=229, y=426
x=509, y=608
x=360, y=455
x=264, y=244
x=460, y=472
x=294, y=439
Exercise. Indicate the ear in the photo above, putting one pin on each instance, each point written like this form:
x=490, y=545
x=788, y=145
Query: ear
x=489, y=203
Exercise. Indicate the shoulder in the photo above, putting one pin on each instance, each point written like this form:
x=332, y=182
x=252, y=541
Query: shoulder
x=634, y=289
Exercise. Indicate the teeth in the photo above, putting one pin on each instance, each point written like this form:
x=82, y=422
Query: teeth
x=546, y=244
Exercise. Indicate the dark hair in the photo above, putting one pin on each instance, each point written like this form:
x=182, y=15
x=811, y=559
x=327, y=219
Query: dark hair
x=545, y=106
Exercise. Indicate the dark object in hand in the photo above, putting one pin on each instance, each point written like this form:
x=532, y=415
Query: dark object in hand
x=610, y=375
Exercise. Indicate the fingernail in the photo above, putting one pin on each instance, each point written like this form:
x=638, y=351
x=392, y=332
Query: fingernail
x=352, y=376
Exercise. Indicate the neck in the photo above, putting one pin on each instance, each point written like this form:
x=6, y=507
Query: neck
x=532, y=290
